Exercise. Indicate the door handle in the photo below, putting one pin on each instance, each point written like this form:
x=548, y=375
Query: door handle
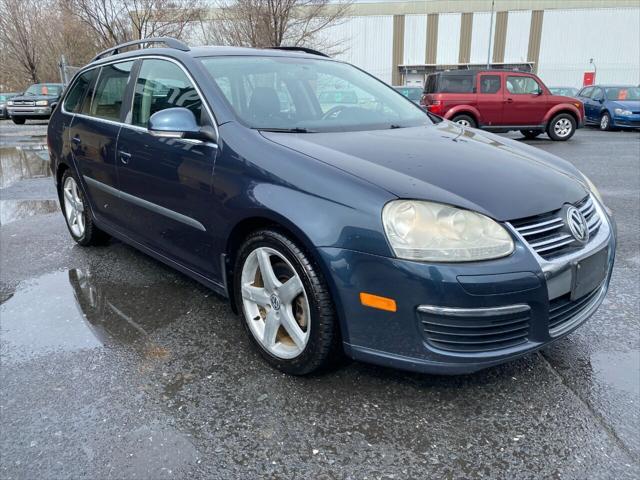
x=124, y=157
x=509, y=100
x=76, y=140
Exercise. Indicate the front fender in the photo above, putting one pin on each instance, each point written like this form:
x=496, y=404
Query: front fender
x=561, y=108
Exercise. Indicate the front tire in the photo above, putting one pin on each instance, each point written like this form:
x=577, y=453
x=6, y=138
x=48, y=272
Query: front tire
x=286, y=306
x=562, y=127
x=531, y=134
x=605, y=122
x=77, y=213
x=465, y=121
x=18, y=121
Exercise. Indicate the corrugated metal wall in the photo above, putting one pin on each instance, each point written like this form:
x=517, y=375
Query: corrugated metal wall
x=571, y=37
x=480, y=36
x=415, y=37
x=518, y=26
x=367, y=43
x=448, y=38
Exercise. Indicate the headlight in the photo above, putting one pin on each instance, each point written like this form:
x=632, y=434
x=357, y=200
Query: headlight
x=42, y=103
x=622, y=111
x=592, y=188
x=10, y=102
x=426, y=231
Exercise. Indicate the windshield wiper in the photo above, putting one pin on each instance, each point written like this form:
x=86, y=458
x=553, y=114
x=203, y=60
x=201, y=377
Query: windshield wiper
x=393, y=126
x=286, y=130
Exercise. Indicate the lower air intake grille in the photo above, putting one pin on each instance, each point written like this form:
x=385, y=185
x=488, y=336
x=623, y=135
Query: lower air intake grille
x=562, y=309
x=475, y=330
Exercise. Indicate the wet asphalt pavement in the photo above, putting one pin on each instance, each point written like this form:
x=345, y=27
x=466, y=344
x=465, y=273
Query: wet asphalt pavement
x=115, y=366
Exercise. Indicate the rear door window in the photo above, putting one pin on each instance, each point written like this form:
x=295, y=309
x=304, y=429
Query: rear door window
x=162, y=84
x=109, y=91
x=489, y=83
x=78, y=90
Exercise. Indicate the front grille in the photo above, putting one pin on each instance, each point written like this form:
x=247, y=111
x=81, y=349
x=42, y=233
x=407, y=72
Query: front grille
x=27, y=103
x=562, y=309
x=481, y=333
x=546, y=234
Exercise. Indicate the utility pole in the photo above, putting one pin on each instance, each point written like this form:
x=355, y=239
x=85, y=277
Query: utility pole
x=490, y=36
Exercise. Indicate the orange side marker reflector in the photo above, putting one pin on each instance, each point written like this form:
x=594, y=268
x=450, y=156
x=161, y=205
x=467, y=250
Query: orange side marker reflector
x=381, y=303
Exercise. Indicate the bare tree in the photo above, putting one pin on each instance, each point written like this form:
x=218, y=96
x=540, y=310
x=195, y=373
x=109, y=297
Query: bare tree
x=267, y=23
x=118, y=21
x=20, y=29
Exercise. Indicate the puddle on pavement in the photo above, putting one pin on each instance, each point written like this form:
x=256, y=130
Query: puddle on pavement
x=23, y=162
x=75, y=310
x=12, y=210
x=618, y=369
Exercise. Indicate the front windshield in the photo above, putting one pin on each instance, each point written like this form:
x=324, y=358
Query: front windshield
x=43, y=89
x=623, y=93
x=309, y=95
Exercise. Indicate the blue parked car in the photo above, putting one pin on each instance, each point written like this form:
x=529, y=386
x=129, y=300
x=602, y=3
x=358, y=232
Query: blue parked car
x=611, y=106
x=370, y=229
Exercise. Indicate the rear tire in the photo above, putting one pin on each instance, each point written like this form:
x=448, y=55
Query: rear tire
x=18, y=121
x=77, y=213
x=309, y=343
x=530, y=134
x=561, y=127
x=465, y=121
x=605, y=122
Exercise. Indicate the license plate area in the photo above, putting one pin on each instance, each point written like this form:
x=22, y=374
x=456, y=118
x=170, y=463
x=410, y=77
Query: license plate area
x=589, y=273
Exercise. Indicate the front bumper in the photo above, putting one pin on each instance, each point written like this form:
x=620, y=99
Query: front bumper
x=520, y=293
x=626, y=121
x=29, y=112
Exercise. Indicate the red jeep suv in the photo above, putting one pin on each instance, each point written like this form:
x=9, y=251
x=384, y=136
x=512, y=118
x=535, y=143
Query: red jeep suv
x=502, y=100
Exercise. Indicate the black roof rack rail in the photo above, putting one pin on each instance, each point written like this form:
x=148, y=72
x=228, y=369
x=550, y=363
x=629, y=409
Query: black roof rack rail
x=168, y=41
x=301, y=49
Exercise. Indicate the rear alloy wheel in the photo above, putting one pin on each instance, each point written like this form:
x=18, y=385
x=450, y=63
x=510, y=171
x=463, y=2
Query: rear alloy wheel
x=18, y=120
x=465, y=121
x=77, y=213
x=285, y=303
x=531, y=134
x=562, y=127
x=605, y=122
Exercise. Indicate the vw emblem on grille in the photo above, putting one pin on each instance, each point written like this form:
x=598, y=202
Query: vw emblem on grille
x=577, y=224
x=275, y=302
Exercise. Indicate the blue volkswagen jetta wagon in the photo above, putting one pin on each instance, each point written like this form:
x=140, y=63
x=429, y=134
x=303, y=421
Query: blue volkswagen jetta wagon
x=365, y=227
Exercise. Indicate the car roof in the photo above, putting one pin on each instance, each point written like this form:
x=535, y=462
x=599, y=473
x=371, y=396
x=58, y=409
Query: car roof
x=207, y=51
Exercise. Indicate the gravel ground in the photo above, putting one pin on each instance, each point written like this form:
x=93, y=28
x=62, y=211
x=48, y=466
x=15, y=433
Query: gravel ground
x=114, y=366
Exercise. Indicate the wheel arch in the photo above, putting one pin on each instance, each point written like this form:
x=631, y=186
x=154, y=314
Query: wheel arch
x=563, y=108
x=465, y=110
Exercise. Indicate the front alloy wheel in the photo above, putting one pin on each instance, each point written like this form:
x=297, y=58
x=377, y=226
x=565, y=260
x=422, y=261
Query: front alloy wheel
x=287, y=308
x=562, y=127
x=275, y=303
x=605, y=122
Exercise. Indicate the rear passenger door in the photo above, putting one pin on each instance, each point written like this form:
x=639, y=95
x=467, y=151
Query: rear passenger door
x=93, y=135
x=166, y=182
x=490, y=102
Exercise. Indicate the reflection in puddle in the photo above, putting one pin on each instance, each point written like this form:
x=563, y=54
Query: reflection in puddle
x=74, y=310
x=618, y=369
x=23, y=162
x=12, y=210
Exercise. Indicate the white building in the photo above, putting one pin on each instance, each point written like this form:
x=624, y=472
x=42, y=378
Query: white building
x=400, y=41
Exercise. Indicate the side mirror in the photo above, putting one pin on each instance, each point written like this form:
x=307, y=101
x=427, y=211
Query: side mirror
x=179, y=122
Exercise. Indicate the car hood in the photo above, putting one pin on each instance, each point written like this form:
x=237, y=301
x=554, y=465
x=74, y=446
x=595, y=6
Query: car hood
x=633, y=105
x=496, y=176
